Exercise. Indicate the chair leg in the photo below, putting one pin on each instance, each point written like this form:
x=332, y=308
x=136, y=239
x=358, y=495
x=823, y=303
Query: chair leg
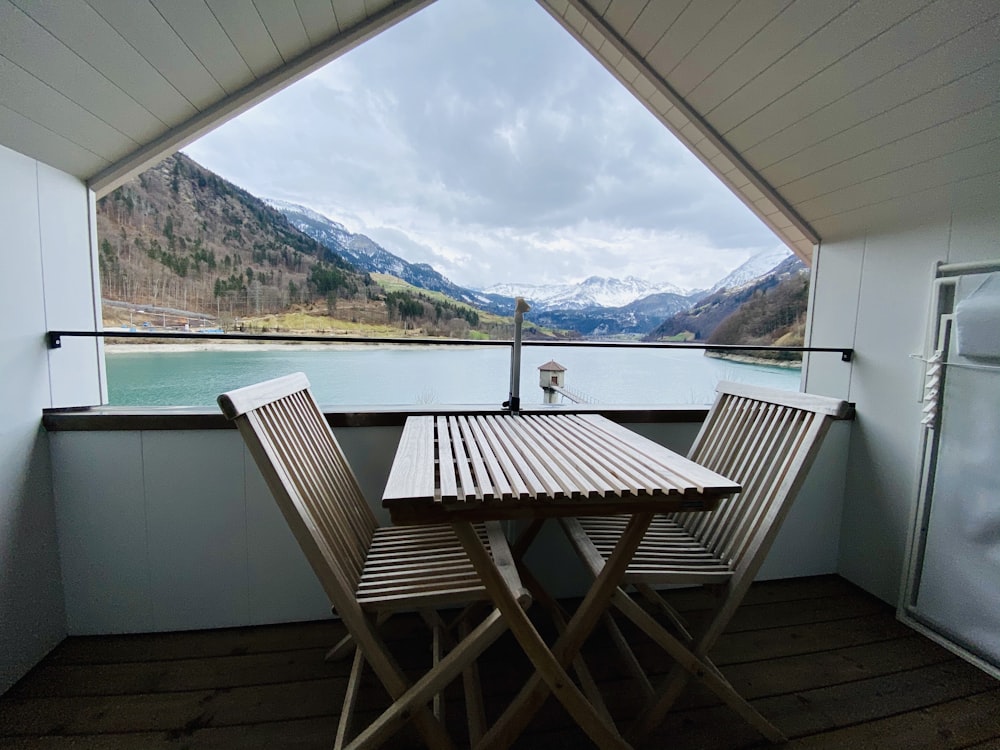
x=350, y=699
x=688, y=665
x=475, y=711
x=340, y=649
x=345, y=645
x=630, y=658
x=404, y=708
x=653, y=597
x=558, y=615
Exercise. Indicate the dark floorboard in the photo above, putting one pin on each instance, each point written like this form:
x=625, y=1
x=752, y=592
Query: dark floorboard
x=824, y=661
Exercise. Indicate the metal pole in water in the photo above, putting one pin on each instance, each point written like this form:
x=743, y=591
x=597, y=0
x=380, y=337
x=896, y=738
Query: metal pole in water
x=514, y=400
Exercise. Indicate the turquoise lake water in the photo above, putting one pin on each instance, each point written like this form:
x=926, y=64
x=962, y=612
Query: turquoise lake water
x=406, y=376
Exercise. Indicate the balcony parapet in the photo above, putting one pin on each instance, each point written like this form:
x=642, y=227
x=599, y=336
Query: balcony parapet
x=114, y=418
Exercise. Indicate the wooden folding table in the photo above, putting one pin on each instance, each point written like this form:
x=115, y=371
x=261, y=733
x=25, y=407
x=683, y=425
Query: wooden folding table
x=466, y=469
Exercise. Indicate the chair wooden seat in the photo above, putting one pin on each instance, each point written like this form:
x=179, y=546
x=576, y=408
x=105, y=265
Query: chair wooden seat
x=762, y=438
x=667, y=552
x=368, y=571
x=419, y=567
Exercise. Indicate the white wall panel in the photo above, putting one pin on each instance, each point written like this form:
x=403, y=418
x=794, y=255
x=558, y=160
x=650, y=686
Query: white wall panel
x=282, y=584
x=835, y=281
x=886, y=385
x=196, y=516
x=70, y=286
x=101, y=515
x=218, y=552
x=32, y=618
x=809, y=541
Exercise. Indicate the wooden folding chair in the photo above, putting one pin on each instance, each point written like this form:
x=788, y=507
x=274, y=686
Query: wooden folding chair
x=370, y=572
x=764, y=439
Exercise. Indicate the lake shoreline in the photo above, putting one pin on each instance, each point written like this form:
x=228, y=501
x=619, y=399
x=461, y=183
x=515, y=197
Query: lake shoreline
x=749, y=359
x=271, y=346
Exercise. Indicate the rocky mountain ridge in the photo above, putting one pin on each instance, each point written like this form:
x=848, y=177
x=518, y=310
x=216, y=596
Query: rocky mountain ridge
x=595, y=307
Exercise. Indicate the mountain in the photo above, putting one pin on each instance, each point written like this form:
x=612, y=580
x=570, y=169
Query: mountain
x=758, y=266
x=708, y=314
x=368, y=255
x=638, y=317
x=590, y=293
x=180, y=236
x=776, y=317
x=595, y=307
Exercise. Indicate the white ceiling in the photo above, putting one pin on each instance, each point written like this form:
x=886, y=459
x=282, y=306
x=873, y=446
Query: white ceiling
x=812, y=111
x=104, y=88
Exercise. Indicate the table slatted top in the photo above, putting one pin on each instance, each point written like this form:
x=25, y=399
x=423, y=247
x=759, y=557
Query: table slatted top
x=509, y=466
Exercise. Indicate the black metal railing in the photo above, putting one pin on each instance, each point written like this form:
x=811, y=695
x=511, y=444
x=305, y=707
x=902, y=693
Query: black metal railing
x=54, y=339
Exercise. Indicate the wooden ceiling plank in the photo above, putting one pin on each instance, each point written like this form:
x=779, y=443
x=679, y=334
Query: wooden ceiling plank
x=83, y=30
x=787, y=30
x=139, y=23
x=966, y=94
x=246, y=30
x=687, y=124
x=733, y=31
x=904, y=42
x=941, y=65
x=849, y=31
x=349, y=12
x=693, y=25
x=621, y=14
x=29, y=46
x=950, y=169
x=228, y=107
x=39, y=102
x=37, y=141
x=855, y=224
x=204, y=36
x=653, y=23
x=318, y=18
x=285, y=27
x=948, y=137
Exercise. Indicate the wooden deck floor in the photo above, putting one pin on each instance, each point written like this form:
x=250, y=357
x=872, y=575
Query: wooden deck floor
x=824, y=661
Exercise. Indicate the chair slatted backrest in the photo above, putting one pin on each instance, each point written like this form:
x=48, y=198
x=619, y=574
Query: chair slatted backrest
x=310, y=478
x=766, y=440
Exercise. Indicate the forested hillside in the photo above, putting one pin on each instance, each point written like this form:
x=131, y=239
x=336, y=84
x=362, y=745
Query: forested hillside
x=183, y=241
x=180, y=236
x=768, y=311
x=775, y=316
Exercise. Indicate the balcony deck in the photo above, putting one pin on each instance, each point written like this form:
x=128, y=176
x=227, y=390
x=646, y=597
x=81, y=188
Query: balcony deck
x=825, y=661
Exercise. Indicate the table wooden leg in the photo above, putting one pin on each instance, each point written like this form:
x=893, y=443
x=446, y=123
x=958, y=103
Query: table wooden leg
x=550, y=672
x=550, y=663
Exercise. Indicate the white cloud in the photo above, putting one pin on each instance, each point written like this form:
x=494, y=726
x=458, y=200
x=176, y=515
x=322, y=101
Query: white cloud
x=481, y=138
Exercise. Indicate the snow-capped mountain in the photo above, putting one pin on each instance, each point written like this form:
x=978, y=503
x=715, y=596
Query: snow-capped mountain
x=595, y=291
x=370, y=256
x=595, y=307
x=759, y=265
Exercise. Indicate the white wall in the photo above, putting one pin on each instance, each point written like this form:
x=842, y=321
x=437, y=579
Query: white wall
x=176, y=530
x=872, y=291
x=168, y=530
x=46, y=241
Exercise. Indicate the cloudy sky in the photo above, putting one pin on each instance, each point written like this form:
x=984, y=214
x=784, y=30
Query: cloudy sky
x=479, y=137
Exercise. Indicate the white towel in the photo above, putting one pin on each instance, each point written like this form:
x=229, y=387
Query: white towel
x=977, y=321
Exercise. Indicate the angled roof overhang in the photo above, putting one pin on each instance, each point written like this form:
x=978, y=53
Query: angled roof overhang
x=103, y=89
x=821, y=115
x=825, y=117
